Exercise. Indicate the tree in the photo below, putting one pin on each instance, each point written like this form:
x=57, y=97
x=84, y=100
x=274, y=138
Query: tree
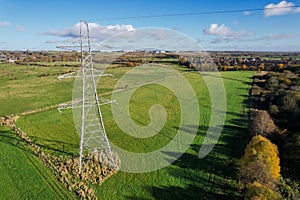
x=261, y=123
x=262, y=149
x=289, y=111
x=256, y=171
x=239, y=60
x=262, y=66
x=244, y=67
x=257, y=191
x=280, y=66
x=260, y=170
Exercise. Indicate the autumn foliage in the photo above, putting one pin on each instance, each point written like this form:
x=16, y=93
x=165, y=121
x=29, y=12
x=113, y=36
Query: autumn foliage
x=261, y=123
x=257, y=191
x=260, y=169
x=262, y=149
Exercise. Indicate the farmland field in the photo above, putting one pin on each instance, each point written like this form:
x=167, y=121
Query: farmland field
x=189, y=177
x=25, y=87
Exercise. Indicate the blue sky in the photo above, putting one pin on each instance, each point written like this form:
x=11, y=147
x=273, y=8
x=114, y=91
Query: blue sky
x=40, y=25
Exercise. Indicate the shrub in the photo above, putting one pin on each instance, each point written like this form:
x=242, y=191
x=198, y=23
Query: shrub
x=183, y=61
x=289, y=111
x=283, y=86
x=130, y=64
x=273, y=83
x=244, y=67
x=288, y=189
x=286, y=81
x=262, y=66
x=289, y=104
x=273, y=110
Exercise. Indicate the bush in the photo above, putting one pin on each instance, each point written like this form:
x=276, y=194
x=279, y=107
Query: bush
x=288, y=189
x=283, y=86
x=289, y=111
x=130, y=64
x=183, y=61
x=286, y=81
x=289, y=104
x=273, y=83
x=274, y=110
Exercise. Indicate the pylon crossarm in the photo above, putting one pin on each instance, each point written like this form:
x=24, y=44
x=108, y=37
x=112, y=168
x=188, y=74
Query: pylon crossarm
x=100, y=73
x=103, y=101
x=78, y=104
x=71, y=75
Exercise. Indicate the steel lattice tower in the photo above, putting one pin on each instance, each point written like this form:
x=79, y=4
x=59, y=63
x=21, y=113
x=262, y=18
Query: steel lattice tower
x=92, y=131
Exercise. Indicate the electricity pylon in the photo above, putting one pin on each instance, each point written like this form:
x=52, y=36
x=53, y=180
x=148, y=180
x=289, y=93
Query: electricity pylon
x=92, y=131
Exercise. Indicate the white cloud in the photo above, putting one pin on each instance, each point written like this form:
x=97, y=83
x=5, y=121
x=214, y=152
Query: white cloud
x=272, y=37
x=225, y=33
x=20, y=28
x=279, y=36
x=96, y=31
x=282, y=8
x=215, y=29
x=5, y=23
x=297, y=10
x=247, y=13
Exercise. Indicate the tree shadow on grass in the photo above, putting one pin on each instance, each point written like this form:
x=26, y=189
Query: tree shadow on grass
x=214, y=176
x=56, y=147
x=9, y=137
x=6, y=136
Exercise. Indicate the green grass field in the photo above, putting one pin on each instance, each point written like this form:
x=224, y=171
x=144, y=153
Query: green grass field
x=25, y=88
x=22, y=175
x=213, y=177
x=189, y=177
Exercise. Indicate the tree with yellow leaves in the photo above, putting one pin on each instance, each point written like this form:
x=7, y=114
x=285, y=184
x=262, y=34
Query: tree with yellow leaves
x=257, y=191
x=260, y=169
x=280, y=66
x=262, y=149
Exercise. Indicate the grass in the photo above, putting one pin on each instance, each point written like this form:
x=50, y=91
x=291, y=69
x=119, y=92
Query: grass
x=26, y=88
x=213, y=177
x=22, y=175
x=187, y=178
x=52, y=131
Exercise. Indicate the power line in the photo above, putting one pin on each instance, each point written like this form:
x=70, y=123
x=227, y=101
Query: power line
x=191, y=13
